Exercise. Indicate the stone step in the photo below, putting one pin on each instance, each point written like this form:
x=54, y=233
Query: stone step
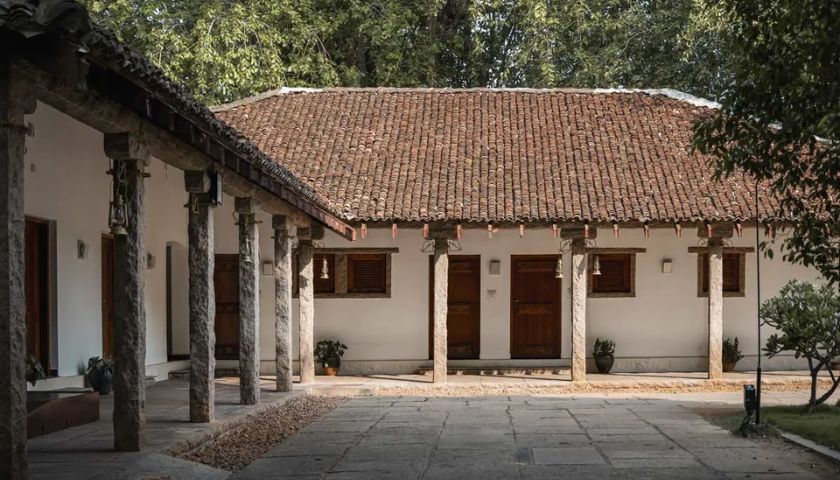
x=501, y=370
x=184, y=373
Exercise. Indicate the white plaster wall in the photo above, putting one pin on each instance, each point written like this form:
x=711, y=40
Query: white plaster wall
x=65, y=181
x=663, y=327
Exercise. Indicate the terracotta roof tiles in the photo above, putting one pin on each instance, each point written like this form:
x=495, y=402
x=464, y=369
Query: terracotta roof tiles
x=482, y=155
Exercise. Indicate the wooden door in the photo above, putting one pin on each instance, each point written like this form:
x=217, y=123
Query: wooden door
x=36, y=271
x=535, y=307
x=463, y=318
x=107, y=295
x=226, y=280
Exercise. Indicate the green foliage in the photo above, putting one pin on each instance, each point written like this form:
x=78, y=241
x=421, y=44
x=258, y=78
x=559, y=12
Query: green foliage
x=603, y=349
x=224, y=50
x=34, y=370
x=731, y=351
x=104, y=365
x=784, y=104
x=808, y=323
x=325, y=350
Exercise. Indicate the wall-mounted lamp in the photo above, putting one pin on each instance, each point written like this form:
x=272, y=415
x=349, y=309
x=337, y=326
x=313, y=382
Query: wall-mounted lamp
x=667, y=266
x=596, y=265
x=267, y=267
x=151, y=261
x=82, y=249
x=495, y=267
x=325, y=269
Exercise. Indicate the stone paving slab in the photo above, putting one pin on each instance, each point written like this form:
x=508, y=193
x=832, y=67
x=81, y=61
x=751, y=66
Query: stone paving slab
x=520, y=437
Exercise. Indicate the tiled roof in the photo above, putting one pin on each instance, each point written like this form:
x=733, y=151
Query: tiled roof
x=503, y=156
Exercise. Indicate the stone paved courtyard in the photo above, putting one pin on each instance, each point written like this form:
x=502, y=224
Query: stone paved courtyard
x=518, y=437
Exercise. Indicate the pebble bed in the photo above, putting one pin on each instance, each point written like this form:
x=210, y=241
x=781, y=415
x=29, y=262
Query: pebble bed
x=241, y=445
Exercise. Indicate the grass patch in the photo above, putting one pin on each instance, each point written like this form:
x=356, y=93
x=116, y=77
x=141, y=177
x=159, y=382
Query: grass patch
x=821, y=425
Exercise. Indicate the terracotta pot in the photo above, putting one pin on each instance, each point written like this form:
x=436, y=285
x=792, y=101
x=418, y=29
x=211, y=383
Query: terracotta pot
x=729, y=366
x=604, y=364
x=331, y=366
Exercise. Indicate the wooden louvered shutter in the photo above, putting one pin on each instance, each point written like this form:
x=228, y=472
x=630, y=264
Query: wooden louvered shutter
x=321, y=285
x=615, y=274
x=366, y=273
x=731, y=272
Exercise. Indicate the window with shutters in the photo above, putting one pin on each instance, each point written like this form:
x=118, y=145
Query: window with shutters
x=617, y=278
x=366, y=273
x=734, y=266
x=350, y=273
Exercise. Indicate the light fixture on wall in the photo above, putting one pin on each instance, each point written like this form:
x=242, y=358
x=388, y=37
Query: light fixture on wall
x=596, y=265
x=151, y=261
x=82, y=249
x=495, y=267
x=267, y=267
x=117, y=215
x=558, y=270
x=667, y=265
x=325, y=269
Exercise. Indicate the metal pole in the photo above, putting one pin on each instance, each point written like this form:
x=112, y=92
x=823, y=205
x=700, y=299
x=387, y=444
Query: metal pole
x=758, y=307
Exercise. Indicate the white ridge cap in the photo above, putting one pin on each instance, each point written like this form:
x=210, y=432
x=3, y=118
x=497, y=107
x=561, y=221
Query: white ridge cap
x=263, y=96
x=667, y=92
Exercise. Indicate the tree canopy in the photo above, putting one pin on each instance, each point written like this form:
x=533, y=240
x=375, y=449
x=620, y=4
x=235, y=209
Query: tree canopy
x=780, y=117
x=223, y=50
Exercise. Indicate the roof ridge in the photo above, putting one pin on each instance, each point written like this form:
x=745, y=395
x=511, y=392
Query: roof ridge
x=666, y=92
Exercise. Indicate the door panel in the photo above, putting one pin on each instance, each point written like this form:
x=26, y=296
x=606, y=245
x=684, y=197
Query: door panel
x=535, y=308
x=107, y=295
x=36, y=286
x=463, y=317
x=226, y=281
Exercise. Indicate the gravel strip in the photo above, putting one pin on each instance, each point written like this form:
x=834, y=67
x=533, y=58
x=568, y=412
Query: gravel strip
x=241, y=445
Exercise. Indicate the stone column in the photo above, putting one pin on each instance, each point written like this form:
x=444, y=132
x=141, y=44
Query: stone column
x=579, y=273
x=129, y=160
x=306, y=321
x=441, y=308
x=13, y=463
x=202, y=298
x=715, y=308
x=249, y=303
x=284, y=236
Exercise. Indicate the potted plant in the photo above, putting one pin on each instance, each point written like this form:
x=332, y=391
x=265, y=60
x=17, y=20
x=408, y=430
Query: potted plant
x=100, y=374
x=329, y=353
x=731, y=354
x=604, y=354
x=34, y=370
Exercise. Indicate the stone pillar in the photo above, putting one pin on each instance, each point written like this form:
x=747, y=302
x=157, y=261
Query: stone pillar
x=306, y=321
x=202, y=298
x=284, y=236
x=249, y=303
x=715, y=308
x=13, y=463
x=579, y=273
x=129, y=160
x=441, y=308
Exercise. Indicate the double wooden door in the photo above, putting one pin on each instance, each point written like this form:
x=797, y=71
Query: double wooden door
x=226, y=281
x=535, y=307
x=463, y=318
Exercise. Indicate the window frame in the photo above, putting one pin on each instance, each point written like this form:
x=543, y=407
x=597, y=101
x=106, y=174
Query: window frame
x=340, y=274
x=631, y=256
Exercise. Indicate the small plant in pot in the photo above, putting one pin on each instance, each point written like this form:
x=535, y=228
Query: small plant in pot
x=329, y=353
x=731, y=354
x=100, y=374
x=34, y=370
x=604, y=355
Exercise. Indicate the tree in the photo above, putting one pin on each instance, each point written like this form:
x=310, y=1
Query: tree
x=780, y=119
x=808, y=324
x=222, y=50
